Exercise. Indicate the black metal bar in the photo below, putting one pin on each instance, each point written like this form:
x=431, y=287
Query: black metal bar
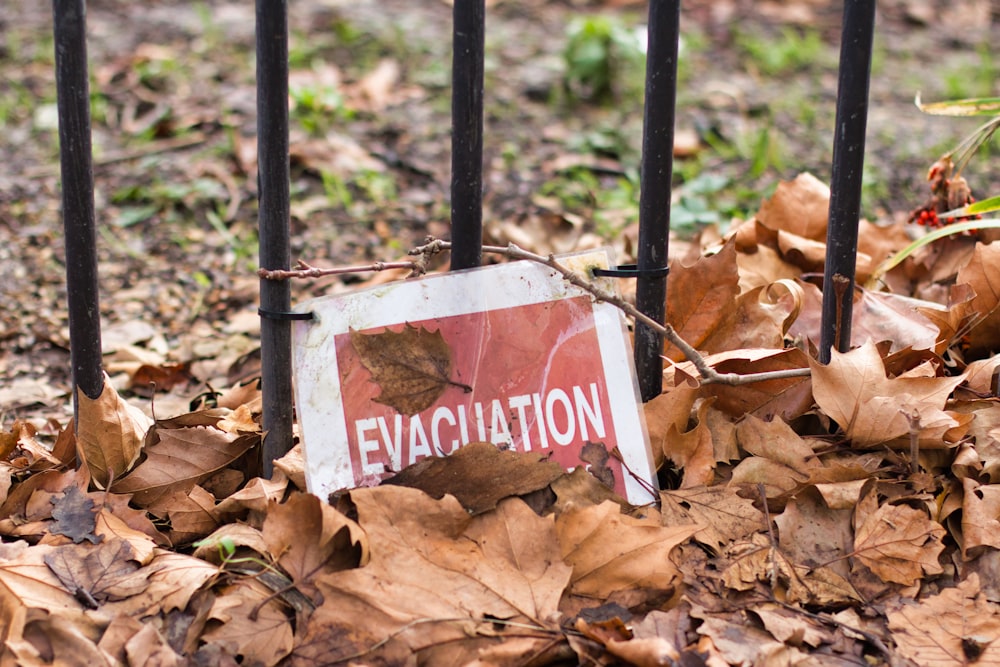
x=76, y=161
x=845, y=182
x=469, y=45
x=654, y=199
x=275, y=247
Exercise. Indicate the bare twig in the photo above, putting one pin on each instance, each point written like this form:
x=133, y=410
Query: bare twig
x=304, y=270
x=433, y=246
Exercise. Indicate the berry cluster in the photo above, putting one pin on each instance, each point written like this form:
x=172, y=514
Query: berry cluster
x=947, y=194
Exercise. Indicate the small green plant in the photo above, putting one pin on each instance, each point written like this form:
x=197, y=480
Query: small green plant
x=604, y=60
x=228, y=557
x=791, y=50
x=694, y=207
x=316, y=106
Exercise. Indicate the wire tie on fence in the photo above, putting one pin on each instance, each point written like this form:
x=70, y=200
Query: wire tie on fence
x=277, y=315
x=632, y=271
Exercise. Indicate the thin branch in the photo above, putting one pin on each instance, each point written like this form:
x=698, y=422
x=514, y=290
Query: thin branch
x=433, y=246
x=303, y=270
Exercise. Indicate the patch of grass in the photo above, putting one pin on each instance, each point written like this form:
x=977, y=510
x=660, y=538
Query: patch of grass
x=791, y=50
x=316, y=106
x=975, y=80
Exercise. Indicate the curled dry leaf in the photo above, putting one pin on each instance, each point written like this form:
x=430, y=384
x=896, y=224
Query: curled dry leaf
x=309, y=538
x=614, y=553
x=248, y=620
x=982, y=273
x=110, y=434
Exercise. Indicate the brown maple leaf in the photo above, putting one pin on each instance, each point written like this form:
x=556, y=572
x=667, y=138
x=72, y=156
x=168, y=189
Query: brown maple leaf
x=412, y=367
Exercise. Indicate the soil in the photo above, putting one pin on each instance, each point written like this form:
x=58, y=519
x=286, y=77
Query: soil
x=174, y=128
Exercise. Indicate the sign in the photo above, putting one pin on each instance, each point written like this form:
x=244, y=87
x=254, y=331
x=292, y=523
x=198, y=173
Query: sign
x=509, y=354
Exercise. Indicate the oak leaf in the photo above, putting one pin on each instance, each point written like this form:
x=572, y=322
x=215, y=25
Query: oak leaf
x=412, y=367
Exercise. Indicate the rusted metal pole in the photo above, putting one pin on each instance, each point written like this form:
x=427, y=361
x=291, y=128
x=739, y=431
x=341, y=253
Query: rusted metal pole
x=469, y=44
x=76, y=161
x=275, y=246
x=654, y=199
x=845, y=184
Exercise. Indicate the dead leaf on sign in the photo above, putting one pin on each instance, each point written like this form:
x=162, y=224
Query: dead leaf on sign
x=412, y=367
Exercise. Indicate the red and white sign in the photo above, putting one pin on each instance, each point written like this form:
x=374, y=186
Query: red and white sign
x=522, y=359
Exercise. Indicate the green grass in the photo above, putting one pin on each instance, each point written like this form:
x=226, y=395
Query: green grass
x=789, y=51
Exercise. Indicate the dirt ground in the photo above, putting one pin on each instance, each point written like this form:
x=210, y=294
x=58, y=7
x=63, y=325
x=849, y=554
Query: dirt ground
x=174, y=136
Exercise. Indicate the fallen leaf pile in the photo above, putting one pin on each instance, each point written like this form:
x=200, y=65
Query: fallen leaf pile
x=847, y=517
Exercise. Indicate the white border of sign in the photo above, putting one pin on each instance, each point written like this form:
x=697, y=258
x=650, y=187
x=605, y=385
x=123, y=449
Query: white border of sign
x=318, y=393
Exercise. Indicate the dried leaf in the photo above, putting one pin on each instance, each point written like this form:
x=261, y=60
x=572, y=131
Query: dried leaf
x=611, y=552
x=412, y=367
x=700, y=296
x=812, y=534
x=249, y=621
x=479, y=475
x=430, y=560
x=871, y=408
x=191, y=515
x=958, y=626
x=719, y=513
x=182, y=458
x=109, y=435
x=309, y=538
x=982, y=273
x=900, y=544
x=980, y=517
x=173, y=579
x=75, y=516
x=95, y=574
x=800, y=206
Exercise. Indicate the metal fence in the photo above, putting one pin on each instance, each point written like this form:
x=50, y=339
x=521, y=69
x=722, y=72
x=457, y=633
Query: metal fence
x=469, y=26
